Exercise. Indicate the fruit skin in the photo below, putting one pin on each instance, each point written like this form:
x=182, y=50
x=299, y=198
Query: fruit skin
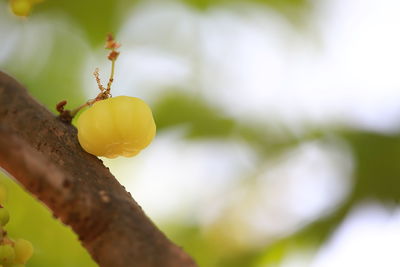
x=21, y=7
x=118, y=126
x=4, y=216
x=7, y=255
x=23, y=251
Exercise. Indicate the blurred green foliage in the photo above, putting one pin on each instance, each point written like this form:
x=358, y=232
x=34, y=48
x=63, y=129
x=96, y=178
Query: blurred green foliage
x=61, y=73
x=287, y=7
x=376, y=171
x=95, y=18
x=201, y=120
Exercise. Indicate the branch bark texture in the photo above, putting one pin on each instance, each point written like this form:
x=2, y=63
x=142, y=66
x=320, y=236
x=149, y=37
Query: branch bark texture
x=43, y=154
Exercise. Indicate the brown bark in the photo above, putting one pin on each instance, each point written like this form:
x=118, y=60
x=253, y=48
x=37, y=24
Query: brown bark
x=43, y=155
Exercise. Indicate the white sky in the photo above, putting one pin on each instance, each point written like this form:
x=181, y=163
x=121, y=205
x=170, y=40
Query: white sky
x=370, y=237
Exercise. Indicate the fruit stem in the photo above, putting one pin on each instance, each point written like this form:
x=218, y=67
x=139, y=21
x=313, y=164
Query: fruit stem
x=111, y=76
x=76, y=110
x=67, y=115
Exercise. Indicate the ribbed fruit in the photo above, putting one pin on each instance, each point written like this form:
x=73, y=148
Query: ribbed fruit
x=117, y=126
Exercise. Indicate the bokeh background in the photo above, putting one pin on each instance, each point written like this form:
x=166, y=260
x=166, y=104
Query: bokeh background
x=278, y=123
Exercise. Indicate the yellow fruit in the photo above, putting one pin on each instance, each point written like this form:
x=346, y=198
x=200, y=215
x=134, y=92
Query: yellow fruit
x=23, y=251
x=21, y=7
x=118, y=126
x=4, y=216
x=7, y=254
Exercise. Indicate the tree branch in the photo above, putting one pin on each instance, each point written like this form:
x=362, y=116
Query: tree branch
x=43, y=154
